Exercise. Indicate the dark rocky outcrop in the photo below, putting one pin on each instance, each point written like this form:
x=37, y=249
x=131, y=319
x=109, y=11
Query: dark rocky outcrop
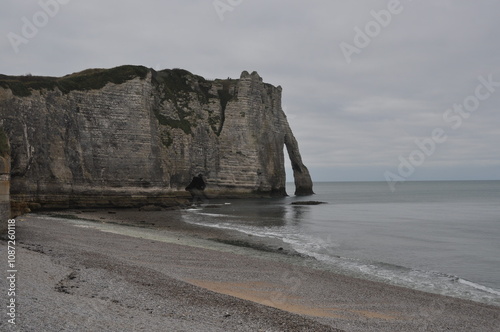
x=308, y=203
x=132, y=136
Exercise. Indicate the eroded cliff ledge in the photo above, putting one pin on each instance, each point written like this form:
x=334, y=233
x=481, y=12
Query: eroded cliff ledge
x=131, y=135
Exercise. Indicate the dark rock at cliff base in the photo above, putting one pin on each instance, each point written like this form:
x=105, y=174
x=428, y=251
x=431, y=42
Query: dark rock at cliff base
x=150, y=208
x=132, y=136
x=308, y=203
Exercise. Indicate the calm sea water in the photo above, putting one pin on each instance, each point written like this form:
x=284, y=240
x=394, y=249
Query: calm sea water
x=441, y=237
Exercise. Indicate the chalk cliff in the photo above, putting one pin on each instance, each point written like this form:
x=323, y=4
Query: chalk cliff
x=131, y=135
x=4, y=182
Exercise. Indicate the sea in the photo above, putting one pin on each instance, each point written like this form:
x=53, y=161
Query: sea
x=441, y=237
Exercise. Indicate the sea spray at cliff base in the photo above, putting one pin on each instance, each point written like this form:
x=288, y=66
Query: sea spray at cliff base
x=439, y=237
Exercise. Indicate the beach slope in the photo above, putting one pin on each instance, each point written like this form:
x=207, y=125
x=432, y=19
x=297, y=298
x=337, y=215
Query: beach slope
x=75, y=277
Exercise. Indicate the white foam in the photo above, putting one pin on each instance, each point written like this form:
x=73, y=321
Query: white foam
x=323, y=252
x=212, y=214
x=480, y=287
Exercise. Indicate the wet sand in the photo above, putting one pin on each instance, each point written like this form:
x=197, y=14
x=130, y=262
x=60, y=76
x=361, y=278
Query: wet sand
x=116, y=275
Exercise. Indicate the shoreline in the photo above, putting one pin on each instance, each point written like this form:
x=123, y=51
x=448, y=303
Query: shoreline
x=277, y=288
x=171, y=221
x=278, y=249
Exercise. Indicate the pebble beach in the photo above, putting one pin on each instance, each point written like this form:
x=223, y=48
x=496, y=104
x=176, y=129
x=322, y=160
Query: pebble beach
x=129, y=270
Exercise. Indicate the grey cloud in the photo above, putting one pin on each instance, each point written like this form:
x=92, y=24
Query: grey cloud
x=354, y=119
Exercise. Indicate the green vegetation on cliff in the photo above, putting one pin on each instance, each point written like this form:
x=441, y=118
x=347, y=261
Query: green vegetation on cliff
x=176, y=82
x=179, y=86
x=4, y=144
x=90, y=79
x=176, y=85
x=182, y=124
x=224, y=96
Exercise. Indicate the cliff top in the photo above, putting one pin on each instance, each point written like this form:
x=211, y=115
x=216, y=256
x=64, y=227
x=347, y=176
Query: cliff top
x=92, y=79
x=85, y=80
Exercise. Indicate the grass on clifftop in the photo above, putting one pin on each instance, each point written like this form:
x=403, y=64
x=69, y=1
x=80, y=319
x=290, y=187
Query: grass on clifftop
x=90, y=79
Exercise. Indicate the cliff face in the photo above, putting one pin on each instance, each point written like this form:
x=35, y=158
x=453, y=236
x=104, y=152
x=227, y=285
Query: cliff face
x=4, y=182
x=131, y=135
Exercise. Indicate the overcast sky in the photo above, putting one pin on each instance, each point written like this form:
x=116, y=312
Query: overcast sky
x=373, y=90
